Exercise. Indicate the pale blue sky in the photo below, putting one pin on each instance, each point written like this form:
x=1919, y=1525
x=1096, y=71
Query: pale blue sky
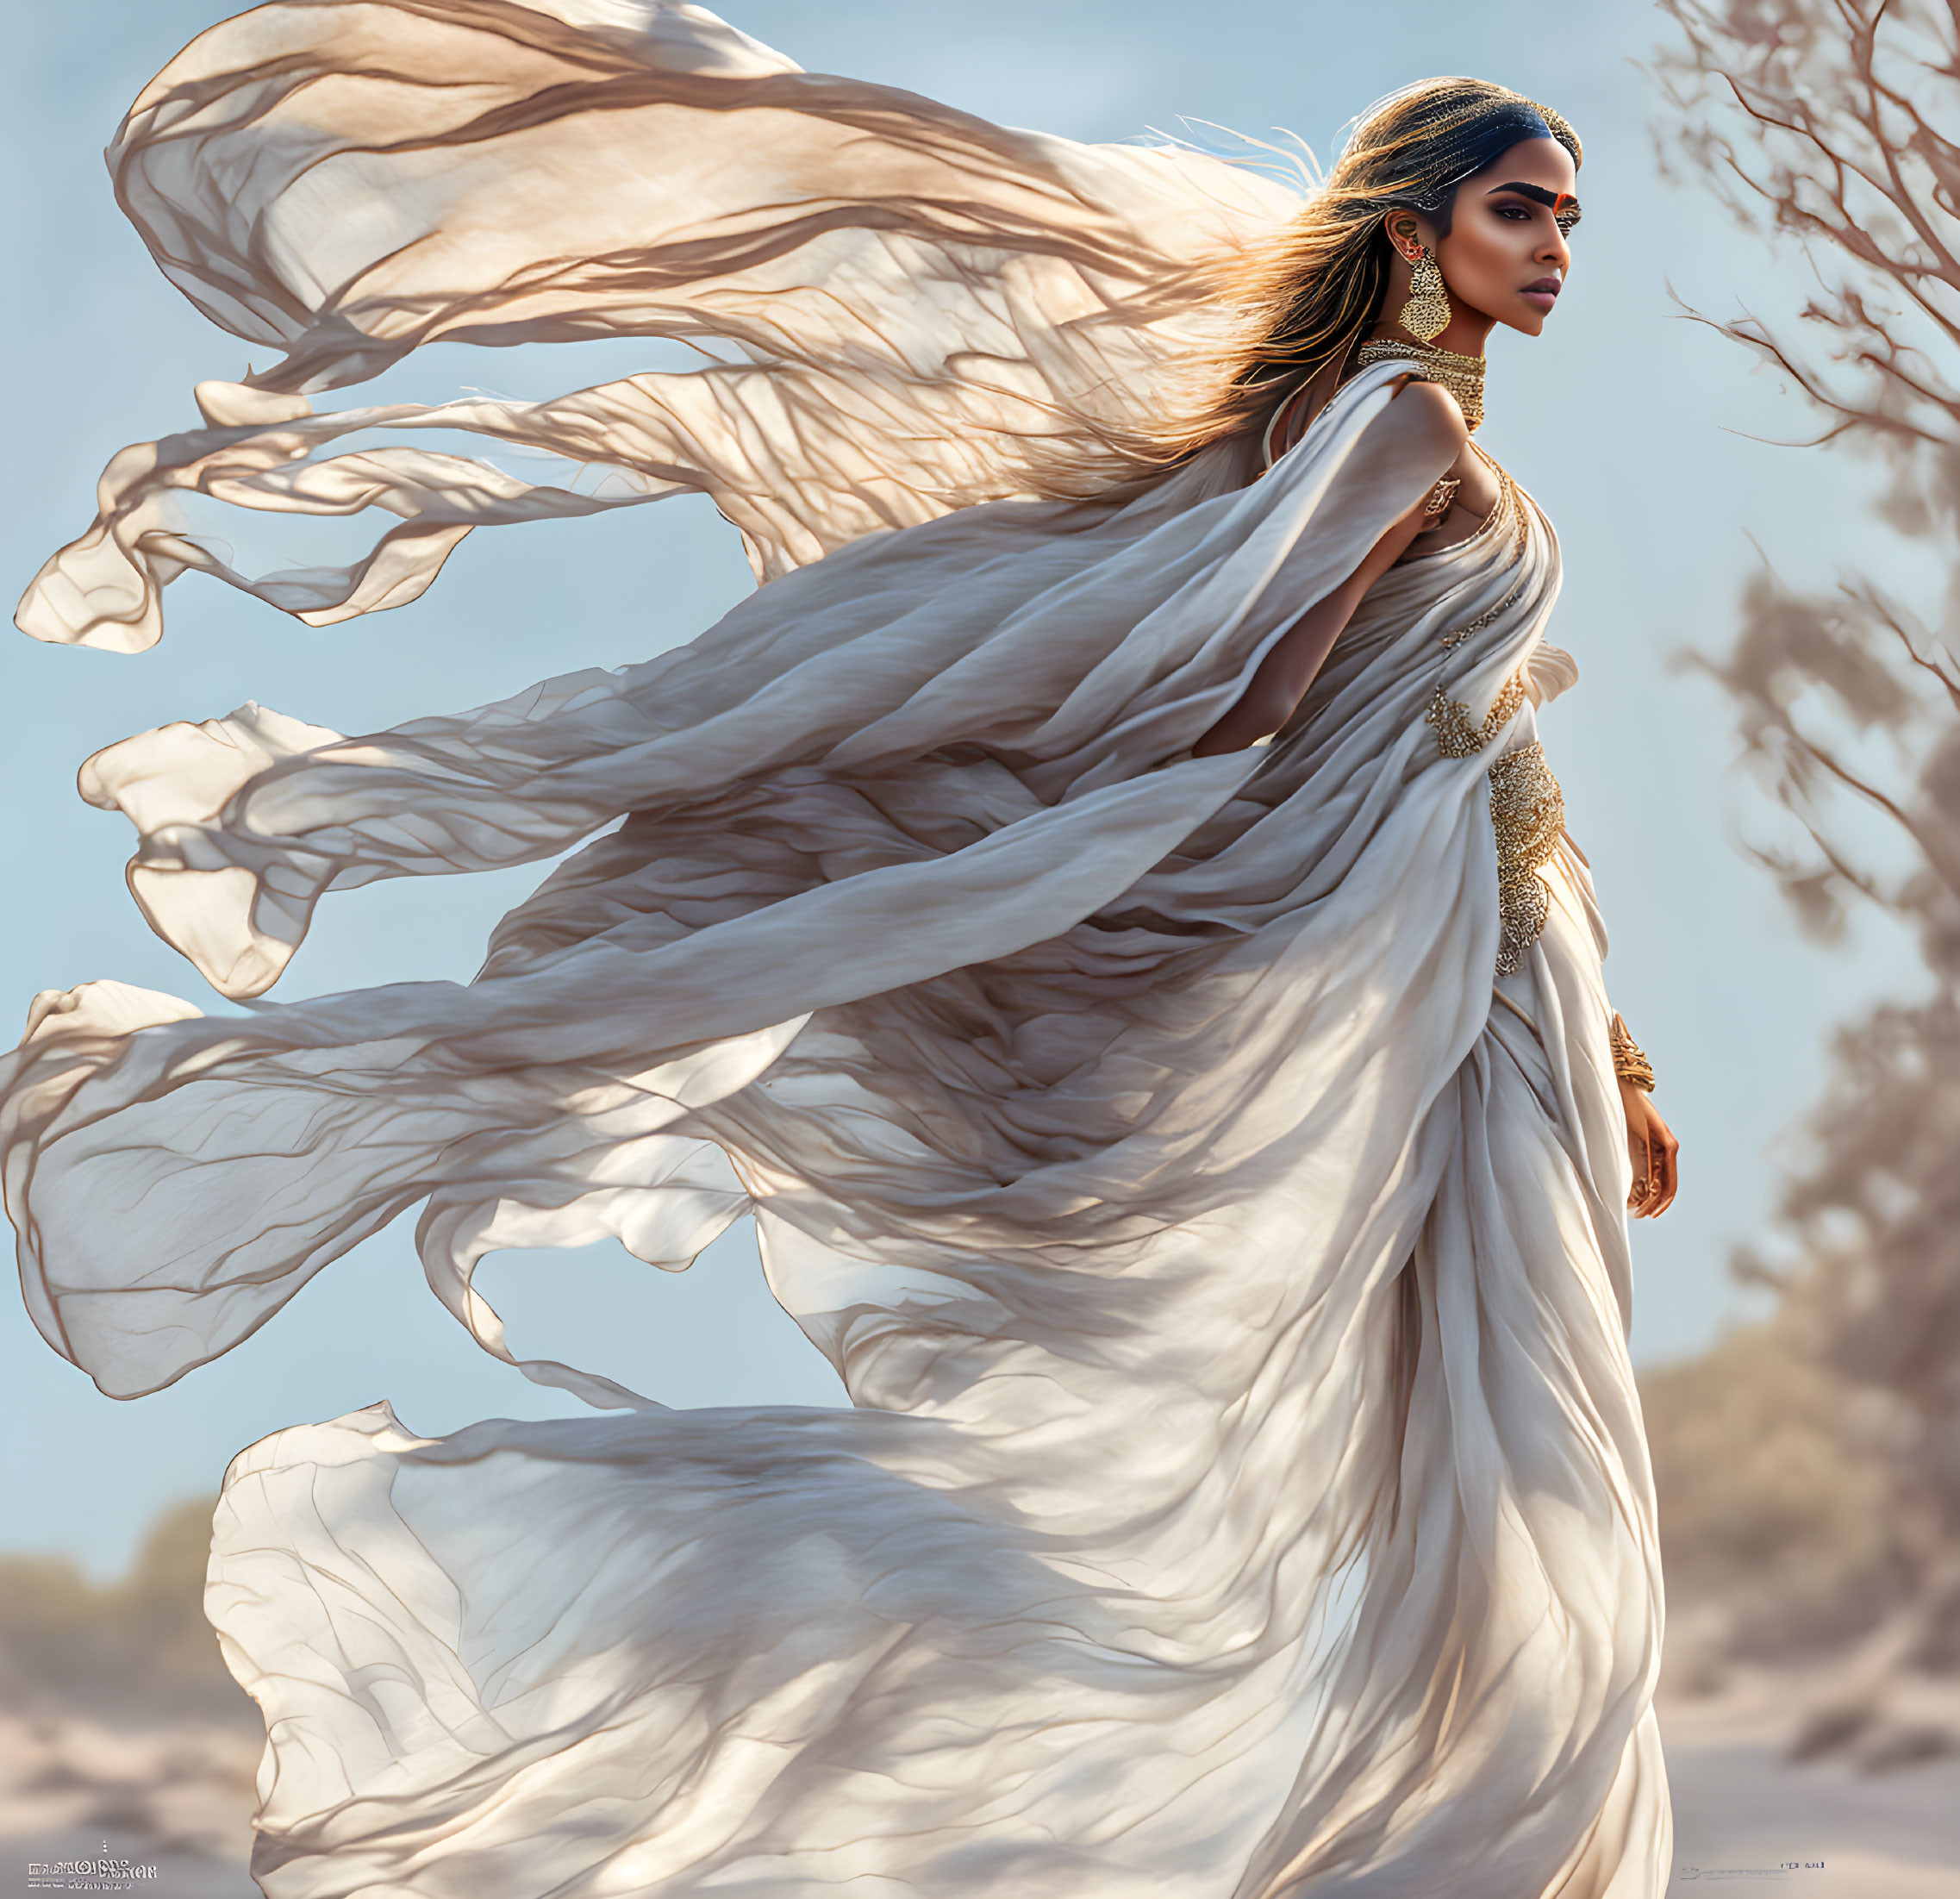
x=1629, y=427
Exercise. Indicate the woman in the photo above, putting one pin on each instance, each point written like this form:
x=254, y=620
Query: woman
x=1062, y=906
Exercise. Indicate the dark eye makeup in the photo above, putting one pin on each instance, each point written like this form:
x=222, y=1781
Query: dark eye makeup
x=1564, y=207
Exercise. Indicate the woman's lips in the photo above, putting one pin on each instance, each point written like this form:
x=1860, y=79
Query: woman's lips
x=1542, y=294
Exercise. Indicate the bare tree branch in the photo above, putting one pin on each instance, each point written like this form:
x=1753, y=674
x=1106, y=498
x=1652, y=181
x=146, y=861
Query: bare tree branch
x=1818, y=123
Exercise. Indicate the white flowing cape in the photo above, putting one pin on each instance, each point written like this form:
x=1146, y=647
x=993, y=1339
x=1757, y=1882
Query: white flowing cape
x=1244, y=1492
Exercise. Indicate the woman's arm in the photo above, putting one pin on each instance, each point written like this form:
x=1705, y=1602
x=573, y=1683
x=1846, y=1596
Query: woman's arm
x=1424, y=423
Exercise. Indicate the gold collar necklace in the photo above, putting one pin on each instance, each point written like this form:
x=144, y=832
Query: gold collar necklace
x=1463, y=376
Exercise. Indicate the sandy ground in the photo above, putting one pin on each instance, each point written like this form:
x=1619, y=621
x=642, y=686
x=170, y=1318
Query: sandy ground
x=1823, y=1829
x=179, y=1798
x=176, y=1798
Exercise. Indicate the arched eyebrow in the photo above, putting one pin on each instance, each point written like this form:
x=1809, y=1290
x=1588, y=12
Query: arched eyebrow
x=1562, y=204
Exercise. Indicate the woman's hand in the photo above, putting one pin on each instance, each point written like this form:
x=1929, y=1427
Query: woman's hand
x=1651, y=1143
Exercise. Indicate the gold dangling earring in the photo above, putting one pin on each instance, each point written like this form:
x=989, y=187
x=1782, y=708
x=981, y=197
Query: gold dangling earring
x=1426, y=314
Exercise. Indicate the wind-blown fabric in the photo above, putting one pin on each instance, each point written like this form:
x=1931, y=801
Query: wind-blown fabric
x=1243, y=1490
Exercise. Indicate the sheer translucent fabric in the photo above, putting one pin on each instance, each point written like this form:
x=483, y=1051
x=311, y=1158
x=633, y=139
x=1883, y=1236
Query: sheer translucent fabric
x=1243, y=1490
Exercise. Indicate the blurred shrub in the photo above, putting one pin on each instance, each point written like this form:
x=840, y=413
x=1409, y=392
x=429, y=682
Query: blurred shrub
x=1833, y=125
x=1769, y=1512
x=138, y=1646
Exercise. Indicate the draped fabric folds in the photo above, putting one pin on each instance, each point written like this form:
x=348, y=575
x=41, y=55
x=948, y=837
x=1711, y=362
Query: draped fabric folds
x=911, y=307
x=1243, y=1491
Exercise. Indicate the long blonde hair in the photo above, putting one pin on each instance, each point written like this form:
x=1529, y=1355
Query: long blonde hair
x=1307, y=293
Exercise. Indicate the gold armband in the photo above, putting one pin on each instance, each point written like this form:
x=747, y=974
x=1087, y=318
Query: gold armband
x=1629, y=1062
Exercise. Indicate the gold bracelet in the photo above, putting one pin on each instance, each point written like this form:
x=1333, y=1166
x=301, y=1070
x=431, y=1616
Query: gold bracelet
x=1629, y=1062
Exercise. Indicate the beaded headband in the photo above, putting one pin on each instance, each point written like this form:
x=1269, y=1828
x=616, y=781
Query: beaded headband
x=1495, y=106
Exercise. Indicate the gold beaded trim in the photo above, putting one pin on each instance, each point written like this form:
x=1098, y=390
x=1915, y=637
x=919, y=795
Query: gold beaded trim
x=1509, y=512
x=1527, y=811
x=1514, y=505
x=1456, y=635
x=1629, y=1062
x=1527, y=805
x=1459, y=736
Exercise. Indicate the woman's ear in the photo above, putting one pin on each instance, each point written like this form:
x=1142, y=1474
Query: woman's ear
x=1404, y=233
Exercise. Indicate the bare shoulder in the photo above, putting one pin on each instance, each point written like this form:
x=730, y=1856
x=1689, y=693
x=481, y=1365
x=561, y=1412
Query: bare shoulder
x=1425, y=415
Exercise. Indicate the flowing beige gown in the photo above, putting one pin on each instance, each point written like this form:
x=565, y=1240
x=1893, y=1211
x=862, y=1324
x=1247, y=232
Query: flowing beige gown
x=1244, y=1492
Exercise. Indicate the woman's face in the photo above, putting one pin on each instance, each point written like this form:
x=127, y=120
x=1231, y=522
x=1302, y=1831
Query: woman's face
x=1507, y=254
